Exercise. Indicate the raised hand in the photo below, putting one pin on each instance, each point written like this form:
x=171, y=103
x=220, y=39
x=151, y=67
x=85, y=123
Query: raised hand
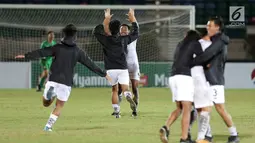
x=20, y=57
x=107, y=13
x=131, y=15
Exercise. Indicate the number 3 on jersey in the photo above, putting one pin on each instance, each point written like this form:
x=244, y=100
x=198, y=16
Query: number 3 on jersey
x=215, y=93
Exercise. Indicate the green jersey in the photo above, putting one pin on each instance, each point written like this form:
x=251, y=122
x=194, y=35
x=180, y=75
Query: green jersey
x=46, y=62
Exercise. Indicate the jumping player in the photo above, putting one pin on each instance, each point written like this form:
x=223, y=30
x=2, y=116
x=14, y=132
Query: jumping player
x=133, y=66
x=115, y=50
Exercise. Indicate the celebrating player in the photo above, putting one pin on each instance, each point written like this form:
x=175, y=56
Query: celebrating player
x=66, y=55
x=182, y=85
x=215, y=56
x=202, y=99
x=46, y=61
x=115, y=50
x=133, y=66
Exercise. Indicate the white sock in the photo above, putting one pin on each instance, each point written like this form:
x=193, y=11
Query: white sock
x=116, y=108
x=127, y=93
x=209, y=131
x=203, y=125
x=232, y=131
x=53, y=118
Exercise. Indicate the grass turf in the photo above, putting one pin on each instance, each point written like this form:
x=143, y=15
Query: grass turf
x=86, y=118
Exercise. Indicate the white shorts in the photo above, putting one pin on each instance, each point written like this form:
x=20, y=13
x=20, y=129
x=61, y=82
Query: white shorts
x=218, y=93
x=202, y=94
x=118, y=76
x=134, y=71
x=182, y=88
x=60, y=90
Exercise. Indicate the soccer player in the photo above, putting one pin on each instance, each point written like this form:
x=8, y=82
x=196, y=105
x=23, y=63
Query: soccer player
x=181, y=84
x=202, y=99
x=133, y=66
x=115, y=50
x=215, y=58
x=46, y=61
x=66, y=54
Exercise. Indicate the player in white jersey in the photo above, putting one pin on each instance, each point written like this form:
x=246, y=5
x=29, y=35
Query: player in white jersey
x=203, y=101
x=133, y=66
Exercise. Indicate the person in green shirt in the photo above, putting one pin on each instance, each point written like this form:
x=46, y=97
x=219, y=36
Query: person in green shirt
x=46, y=61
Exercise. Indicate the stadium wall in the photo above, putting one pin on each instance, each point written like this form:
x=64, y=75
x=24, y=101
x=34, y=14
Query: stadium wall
x=15, y=75
x=153, y=74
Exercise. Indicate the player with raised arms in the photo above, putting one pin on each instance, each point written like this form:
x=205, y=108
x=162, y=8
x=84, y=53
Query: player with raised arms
x=46, y=61
x=133, y=67
x=115, y=51
x=66, y=54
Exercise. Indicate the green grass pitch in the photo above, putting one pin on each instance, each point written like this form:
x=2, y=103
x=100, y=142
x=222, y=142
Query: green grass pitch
x=86, y=118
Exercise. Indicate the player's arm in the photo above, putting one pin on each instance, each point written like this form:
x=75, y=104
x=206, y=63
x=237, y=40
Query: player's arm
x=133, y=35
x=86, y=61
x=99, y=33
x=45, y=52
x=107, y=19
x=209, y=53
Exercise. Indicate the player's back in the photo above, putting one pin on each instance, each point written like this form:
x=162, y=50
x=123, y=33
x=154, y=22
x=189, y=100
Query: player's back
x=115, y=46
x=65, y=58
x=183, y=58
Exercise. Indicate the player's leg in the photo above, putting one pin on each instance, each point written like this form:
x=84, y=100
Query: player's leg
x=115, y=105
x=119, y=93
x=63, y=93
x=42, y=78
x=219, y=100
x=164, y=132
x=49, y=94
x=193, y=118
x=123, y=79
x=135, y=84
x=203, y=103
x=186, y=107
x=114, y=75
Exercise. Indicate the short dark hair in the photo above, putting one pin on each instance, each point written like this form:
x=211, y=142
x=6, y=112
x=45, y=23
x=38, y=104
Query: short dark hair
x=114, y=27
x=126, y=26
x=191, y=35
x=218, y=21
x=70, y=30
x=49, y=32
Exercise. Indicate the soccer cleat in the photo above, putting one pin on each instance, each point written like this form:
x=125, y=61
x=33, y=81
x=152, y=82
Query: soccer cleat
x=163, y=134
x=134, y=114
x=113, y=113
x=209, y=139
x=233, y=139
x=117, y=115
x=50, y=93
x=47, y=129
x=132, y=103
x=186, y=141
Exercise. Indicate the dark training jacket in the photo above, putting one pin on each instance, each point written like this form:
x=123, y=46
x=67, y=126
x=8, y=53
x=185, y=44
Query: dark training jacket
x=115, y=46
x=65, y=56
x=215, y=55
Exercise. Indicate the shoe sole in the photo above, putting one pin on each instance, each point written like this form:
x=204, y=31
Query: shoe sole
x=50, y=93
x=132, y=103
x=162, y=135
